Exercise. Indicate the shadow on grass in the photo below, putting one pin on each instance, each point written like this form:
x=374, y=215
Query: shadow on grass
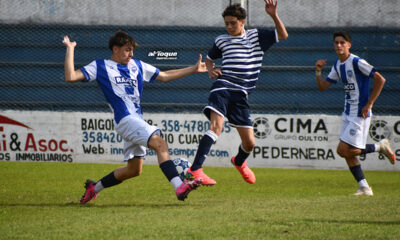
x=92, y=205
x=353, y=221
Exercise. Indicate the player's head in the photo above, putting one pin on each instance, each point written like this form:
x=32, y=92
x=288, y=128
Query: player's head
x=342, y=34
x=120, y=39
x=234, y=18
x=342, y=42
x=122, y=46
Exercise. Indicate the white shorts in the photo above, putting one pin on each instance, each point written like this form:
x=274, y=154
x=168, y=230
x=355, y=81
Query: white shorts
x=354, y=130
x=136, y=133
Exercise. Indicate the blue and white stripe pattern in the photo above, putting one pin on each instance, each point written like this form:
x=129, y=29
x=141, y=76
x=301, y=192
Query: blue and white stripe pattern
x=241, y=58
x=355, y=74
x=122, y=85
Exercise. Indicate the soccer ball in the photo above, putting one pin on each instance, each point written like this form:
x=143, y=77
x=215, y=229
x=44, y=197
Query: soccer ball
x=182, y=166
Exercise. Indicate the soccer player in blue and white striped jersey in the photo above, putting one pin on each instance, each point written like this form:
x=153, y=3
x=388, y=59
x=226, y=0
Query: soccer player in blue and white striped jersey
x=355, y=74
x=242, y=53
x=121, y=79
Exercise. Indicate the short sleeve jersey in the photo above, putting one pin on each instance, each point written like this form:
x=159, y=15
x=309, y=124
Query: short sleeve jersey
x=355, y=74
x=122, y=85
x=241, y=58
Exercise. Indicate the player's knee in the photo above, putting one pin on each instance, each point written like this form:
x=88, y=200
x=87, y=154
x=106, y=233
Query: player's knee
x=341, y=152
x=216, y=128
x=248, y=147
x=157, y=143
x=135, y=172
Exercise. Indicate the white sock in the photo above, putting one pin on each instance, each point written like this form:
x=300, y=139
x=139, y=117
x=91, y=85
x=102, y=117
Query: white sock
x=363, y=183
x=377, y=147
x=176, y=182
x=99, y=186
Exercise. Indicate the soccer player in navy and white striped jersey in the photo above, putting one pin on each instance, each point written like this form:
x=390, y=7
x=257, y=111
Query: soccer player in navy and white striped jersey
x=242, y=53
x=121, y=80
x=355, y=74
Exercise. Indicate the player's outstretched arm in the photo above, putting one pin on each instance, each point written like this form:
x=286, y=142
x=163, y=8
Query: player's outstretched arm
x=271, y=9
x=69, y=69
x=379, y=81
x=175, y=74
x=322, y=85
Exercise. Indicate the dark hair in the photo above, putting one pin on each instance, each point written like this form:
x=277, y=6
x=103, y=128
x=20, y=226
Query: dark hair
x=235, y=10
x=121, y=38
x=343, y=34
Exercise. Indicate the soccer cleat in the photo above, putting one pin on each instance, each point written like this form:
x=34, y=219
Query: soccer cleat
x=186, y=187
x=367, y=191
x=206, y=180
x=245, y=171
x=386, y=150
x=89, y=194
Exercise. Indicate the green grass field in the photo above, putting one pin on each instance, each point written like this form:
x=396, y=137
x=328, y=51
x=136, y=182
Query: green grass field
x=41, y=201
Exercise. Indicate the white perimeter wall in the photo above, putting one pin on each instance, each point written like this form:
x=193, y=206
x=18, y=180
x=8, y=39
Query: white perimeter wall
x=282, y=141
x=294, y=13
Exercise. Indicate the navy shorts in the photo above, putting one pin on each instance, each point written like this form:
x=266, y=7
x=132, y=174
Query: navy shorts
x=230, y=104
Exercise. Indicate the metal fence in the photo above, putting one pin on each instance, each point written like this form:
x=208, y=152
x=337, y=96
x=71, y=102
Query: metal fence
x=32, y=57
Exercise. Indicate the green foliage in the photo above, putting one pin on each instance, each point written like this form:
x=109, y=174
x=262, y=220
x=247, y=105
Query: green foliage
x=41, y=201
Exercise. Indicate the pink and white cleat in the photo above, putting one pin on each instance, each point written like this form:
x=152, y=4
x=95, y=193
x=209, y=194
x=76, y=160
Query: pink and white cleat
x=89, y=194
x=186, y=187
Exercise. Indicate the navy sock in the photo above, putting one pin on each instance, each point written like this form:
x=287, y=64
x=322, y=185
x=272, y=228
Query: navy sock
x=241, y=156
x=204, y=148
x=109, y=180
x=169, y=169
x=369, y=148
x=357, y=172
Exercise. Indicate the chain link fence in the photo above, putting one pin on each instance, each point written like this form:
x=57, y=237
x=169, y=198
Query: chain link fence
x=172, y=34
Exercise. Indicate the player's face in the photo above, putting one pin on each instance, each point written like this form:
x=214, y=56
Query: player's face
x=122, y=54
x=342, y=47
x=234, y=26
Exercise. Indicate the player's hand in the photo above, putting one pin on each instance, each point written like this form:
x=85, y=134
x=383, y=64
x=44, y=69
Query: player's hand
x=214, y=73
x=270, y=7
x=320, y=64
x=200, y=66
x=67, y=42
x=365, y=110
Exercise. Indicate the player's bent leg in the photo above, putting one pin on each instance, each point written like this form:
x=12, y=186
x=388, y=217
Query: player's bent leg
x=158, y=144
x=168, y=167
x=206, y=142
x=345, y=150
x=247, y=145
x=387, y=151
x=132, y=169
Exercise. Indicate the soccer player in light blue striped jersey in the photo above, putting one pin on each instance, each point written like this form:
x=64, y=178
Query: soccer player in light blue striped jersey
x=355, y=74
x=121, y=79
x=242, y=52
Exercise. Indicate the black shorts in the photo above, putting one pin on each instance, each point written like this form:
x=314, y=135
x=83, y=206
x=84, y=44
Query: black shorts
x=230, y=104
